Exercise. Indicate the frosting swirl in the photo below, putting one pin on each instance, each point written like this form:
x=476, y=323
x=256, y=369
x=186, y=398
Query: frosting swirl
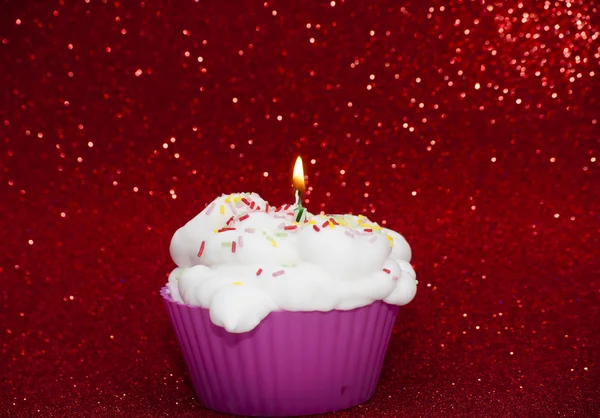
x=242, y=259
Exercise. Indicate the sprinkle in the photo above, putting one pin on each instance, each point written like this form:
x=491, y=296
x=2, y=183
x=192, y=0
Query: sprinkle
x=326, y=223
x=395, y=278
x=316, y=228
x=237, y=199
x=290, y=227
x=391, y=240
x=249, y=230
x=242, y=218
x=368, y=230
x=273, y=243
x=333, y=221
x=201, y=250
x=245, y=201
x=237, y=283
x=240, y=241
x=373, y=238
x=252, y=205
x=267, y=208
x=350, y=234
x=228, y=199
x=210, y=208
x=281, y=225
x=330, y=224
x=222, y=209
x=343, y=223
x=258, y=272
x=387, y=271
x=280, y=234
x=225, y=229
x=278, y=273
x=216, y=231
x=226, y=244
x=312, y=222
x=233, y=209
x=233, y=245
x=229, y=221
x=258, y=208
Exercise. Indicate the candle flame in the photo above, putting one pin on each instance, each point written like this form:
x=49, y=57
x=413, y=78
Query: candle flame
x=298, y=176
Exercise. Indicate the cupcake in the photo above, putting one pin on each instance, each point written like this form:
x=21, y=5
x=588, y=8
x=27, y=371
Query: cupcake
x=281, y=318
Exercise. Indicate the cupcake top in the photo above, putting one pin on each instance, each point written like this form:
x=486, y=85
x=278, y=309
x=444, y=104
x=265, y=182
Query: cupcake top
x=243, y=259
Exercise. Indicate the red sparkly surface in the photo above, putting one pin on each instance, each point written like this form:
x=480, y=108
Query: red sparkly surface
x=470, y=127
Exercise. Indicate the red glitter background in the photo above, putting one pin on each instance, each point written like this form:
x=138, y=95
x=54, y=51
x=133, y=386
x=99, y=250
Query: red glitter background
x=469, y=127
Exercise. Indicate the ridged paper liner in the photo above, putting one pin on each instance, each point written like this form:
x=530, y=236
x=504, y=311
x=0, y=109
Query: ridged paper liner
x=292, y=363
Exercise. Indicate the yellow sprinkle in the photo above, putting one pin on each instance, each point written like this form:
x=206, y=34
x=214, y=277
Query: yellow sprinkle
x=228, y=199
x=311, y=222
x=216, y=231
x=237, y=283
x=343, y=223
x=391, y=240
x=237, y=199
x=331, y=225
x=296, y=223
x=273, y=243
x=377, y=228
x=222, y=209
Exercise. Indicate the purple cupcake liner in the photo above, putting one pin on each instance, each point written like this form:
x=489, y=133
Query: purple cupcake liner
x=292, y=363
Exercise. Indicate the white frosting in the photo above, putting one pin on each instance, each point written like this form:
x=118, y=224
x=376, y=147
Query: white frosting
x=323, y=263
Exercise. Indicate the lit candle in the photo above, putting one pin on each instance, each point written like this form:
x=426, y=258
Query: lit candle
x=299, y=188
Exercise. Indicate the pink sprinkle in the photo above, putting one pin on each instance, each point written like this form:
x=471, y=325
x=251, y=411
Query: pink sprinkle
x=281, y=225
x=246, y=216
x=249, y=230
x=316, y=228
x=252, y=205
x=258, y=208
x=233, y=209
x=368, y=230
x=201, y=250
x=350, y=234
x=387, y=271
x=395, y=278
x=373, y=239
x=241, y=241
x=233, y=245
x=229, y=221
x=245, y=201
x=278, y=273
x=258, y=272
x=289, y=227
x=210, y=208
